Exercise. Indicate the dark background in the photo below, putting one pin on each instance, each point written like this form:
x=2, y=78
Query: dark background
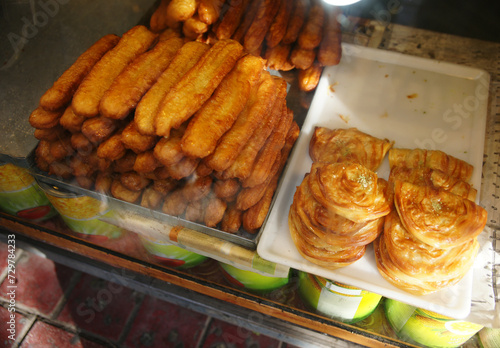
x=479, y=19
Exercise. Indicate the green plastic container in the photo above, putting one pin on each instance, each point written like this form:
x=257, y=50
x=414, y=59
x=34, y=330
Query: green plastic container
x=335, y=300
x=252, y=280
x=81, y=213
x=415, y=325
x=21, y=196
x=171, y=255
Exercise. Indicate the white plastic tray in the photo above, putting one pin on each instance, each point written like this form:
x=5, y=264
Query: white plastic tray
x=414, y=101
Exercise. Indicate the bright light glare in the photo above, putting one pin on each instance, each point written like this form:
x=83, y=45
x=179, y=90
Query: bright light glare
x=340, y=2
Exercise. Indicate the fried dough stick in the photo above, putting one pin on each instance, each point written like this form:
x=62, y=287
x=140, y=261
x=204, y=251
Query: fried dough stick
x=330, y=49
x=270, y=151
x=112, y=148
x=231, y=19
x=256, y=33
x=88, y=95
x=168, y=151
x=196, y=86
x=309, y=78
x=278, y=27
x=61, y=92
x=219, y=113
x=243, y=164
x=137, y=78
x=187, y=56
x=98, y=129
x=248, y=197
x=302, y=58
x=259, y=104
x=181, y=10
x=209, y=10
x=254, y=217
x=44, y=119
x=146, y=162
x=297, y=19
x=278, y=57
x=246, y=20
x=71, y=121
x=231, y=221
x=311, y=33
x=192, y=28
x=158, y=20
x=135, y=141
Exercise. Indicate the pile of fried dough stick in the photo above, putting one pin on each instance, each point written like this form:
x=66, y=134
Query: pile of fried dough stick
x=196, y=130
x=300, y=34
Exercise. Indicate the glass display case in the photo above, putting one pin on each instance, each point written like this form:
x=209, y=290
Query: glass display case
x=399, y=73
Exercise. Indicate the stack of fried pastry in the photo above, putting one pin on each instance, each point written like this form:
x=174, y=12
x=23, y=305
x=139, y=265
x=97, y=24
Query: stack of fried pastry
x=429, y=241
x=340, y=205
x=301, y=34
x=197, y=130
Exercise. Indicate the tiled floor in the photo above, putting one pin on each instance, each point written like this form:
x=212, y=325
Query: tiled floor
x=57, y=306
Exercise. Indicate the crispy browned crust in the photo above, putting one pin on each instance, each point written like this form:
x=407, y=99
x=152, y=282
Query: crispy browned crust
x=229, y=23
x=278, y=27
x=137, y=78
x=330, y=48
x=259, y=103
x=44, y=119
x=71, y=121
x=88, y=96
x=135, y=141
x=242, y=166
x=302, y=58
x=309, y=78
x=256, y=33
x=209, y=10
x=187, y=56
x=220, y=112
x=297, y=20
x=312, y=32
x=278, y=57
x=196, y=86
x=158, y=21
x=60, y=94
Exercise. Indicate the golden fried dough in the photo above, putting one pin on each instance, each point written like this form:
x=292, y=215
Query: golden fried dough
x=302, y=58
x=184, y=168
x=309, y=78
x=196, y=86
x=137, y=78
x=44, y=119
x=81, y=143
x=214, y=211
x=119, y=191
x=260, y=101
x=158, y=20
x=146, y=162
x=50, y=134
x=88, y=96
x=232, y=219
x=256, y=33
x=151, y=198
x=297, y=19
x=60, y=94
x=209, y=10
x=231, y=20
x=270, y=152
x=348, y=145
x=350, y=190
x=219, y=113
x=278, y=57
x=168, y=151
x=132, y=139
x=437, y=217
x=435, y=159
x=311, y=33
x=193, y=27
x=98, y=129
x=134, y=181
x=243, y=164
x=112, y=148
x=187, y=56
x=197, y=188
x=278, y=27
x=71, y=121
x=330, y=48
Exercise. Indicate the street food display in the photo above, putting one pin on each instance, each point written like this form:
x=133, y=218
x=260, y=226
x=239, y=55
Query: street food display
x=192, y=129
x=300, y=34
